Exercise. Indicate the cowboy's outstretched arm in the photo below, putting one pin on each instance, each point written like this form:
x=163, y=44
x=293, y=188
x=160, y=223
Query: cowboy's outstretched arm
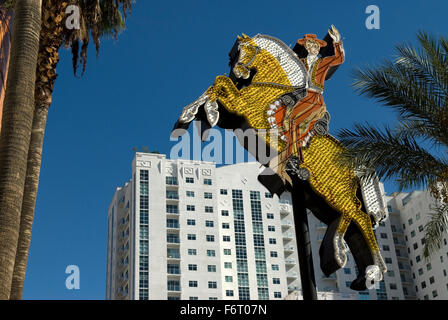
x=339, y=54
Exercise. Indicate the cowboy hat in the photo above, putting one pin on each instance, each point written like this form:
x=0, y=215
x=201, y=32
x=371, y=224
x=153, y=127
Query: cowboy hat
x=311, y=37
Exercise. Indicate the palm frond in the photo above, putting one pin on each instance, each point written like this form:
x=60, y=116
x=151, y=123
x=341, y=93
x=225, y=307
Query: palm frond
x=98, y=18
x=435, y=230
x=391, y=155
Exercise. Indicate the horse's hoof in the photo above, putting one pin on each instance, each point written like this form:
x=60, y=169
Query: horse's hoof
x=359, y=284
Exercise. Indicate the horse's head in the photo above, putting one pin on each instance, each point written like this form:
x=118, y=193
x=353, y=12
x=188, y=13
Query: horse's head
x=247, y=54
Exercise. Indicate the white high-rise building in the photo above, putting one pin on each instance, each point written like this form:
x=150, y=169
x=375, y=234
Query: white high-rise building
x=182, y=229
x=422, y=279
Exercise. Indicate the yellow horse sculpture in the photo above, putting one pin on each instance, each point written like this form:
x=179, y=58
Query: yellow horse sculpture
x=263, y=71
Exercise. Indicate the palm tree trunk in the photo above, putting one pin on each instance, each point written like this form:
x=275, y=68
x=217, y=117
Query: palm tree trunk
x=48, y=58
x=5, y=41
x=18, y=110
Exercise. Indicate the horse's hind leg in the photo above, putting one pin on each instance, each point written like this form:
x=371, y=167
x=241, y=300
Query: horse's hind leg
x=365, y=224
x=338, y=240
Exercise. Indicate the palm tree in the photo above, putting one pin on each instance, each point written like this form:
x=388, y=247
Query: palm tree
x=99, y=18
x=16, y=131
x=414, y=151
x=5, y=41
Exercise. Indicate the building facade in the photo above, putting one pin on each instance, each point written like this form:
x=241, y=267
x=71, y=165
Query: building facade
x=422, y=279
x=182, y=229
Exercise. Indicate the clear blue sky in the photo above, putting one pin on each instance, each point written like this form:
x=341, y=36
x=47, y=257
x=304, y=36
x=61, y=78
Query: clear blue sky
x=133, y=93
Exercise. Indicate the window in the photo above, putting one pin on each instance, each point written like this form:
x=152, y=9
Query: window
x=226, y=226
x=417, y=258
x=226, y=238
x=172, y=208
x=172, y=223
x=228, y=278
x=172, y=194
x=171, y=181
x=208, y=182
x=192, y=252
x=208, y=209
x=193, y=267
x=192, y=284
x=272, y=241
x=277, y=294
x=210, y=238
x=258, y=240
x=229, y=293
x=227, y=252
x=210, y=253
x=418, y=216
x=208, y=195
x=393, y=286
x=420, y=271
x=194, y=298
x=212, y=285
x=415, y=246
x=190, y=194
x=191, y=222
x=428, y=267
x=412, y=233
x=271, y=228
x=389, y=209
x=268, y=195
x=211, y=268
x=276, y=280
x=441, y=259
x=274, y=254
x=275, y=267
x=224, y=213
x=386, y=248
x=434, y=293
x=270, y=216
x=191, y=207
x=347, y=284
x=388, y=260
x=209, y=223
x=347, y=271
x=383, y=235
x=364, y=296
x=410, y=221
x=223, y=191
x=391, y=273
x=431, y=280
x=191, y=236
x=423, y=284
x=227, y=265
x=189, y=180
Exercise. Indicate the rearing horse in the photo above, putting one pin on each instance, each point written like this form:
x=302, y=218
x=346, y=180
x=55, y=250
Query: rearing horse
x=267, y=80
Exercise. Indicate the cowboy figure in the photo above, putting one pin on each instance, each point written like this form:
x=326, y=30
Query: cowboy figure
x=298, y=122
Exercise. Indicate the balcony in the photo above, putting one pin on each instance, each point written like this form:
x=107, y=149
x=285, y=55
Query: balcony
x=289, y=249
x=292, y=275
x=172, y=196
x=331, y=277
x=173, y=226
x=293, y=288
x=290, y=261
x=288, y=236
x=172, y=239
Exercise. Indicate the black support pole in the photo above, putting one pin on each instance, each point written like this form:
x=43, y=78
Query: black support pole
x=303, y=241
